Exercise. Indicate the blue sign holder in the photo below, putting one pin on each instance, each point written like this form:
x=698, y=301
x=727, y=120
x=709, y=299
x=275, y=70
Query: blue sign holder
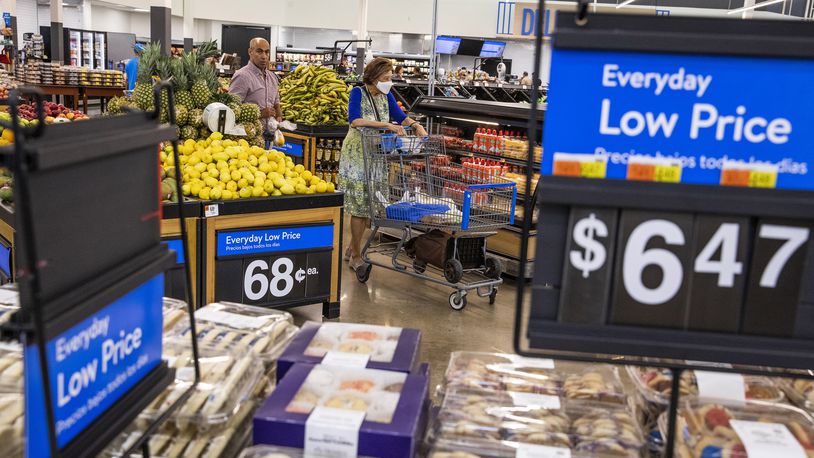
x=587, y=327
x=108, y=326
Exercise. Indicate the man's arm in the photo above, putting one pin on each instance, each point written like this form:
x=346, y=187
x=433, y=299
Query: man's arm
x=278, y=112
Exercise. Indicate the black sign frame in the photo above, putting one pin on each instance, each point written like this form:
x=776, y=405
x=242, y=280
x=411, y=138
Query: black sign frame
x=557, y=195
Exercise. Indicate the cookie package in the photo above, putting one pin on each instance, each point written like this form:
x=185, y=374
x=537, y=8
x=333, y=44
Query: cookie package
x=395, y=406
x=710, y=429
x=388, y=348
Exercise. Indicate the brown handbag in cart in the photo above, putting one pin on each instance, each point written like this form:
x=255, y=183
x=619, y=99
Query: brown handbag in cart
x=430, y=247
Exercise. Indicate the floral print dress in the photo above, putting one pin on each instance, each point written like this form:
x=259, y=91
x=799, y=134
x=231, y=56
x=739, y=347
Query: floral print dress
x=351, y=162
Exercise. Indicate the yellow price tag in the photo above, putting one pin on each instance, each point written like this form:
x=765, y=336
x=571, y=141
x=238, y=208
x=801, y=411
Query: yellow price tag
x=593, y=169
x=762, y=179
x=668, y=173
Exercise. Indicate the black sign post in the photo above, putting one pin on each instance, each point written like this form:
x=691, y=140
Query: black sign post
x=668, y=227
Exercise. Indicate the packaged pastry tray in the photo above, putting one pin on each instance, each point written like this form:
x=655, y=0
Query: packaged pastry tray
x=11, y=367
x=505, y=372
x=12, y=406
x=715, y=430
x=192, y=442
x=175, y=311
x=510, y=450
x=490, y=419
x=387, y=348
x=655, y=384
x=800, y=391
x=241, y=327
x=272, y=451
x=228, y=380
x=394, y=404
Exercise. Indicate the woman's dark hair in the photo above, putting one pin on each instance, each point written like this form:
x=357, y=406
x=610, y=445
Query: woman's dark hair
x=376, y=68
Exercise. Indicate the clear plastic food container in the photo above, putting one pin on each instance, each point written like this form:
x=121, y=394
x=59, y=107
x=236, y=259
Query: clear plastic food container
x=175, y=310
x=469, y=418
x=12, y=406
x=655, y=384
x=241, y=327
x=192, y=442
x=712, y=430
x=800, y=391
x=11, y=367
x=228, y=380
x=272, y=451
x=504, y=372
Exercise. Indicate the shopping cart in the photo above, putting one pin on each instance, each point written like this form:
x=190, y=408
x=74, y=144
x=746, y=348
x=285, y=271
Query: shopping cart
x=411, y=185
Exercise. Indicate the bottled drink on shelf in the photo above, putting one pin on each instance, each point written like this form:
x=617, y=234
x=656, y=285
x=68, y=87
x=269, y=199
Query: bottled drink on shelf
x=476, y=141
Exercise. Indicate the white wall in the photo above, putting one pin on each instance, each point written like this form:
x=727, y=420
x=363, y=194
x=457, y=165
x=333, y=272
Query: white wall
x=110, y=19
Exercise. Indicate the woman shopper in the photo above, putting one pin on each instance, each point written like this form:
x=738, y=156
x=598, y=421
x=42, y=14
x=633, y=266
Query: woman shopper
x=370, y=105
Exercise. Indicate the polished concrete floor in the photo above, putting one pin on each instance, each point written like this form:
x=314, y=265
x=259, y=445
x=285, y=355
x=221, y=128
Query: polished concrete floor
x=394, y=299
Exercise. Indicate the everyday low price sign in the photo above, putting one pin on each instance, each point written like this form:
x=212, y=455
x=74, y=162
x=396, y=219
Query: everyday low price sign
x=92, y=364
x=712, y=114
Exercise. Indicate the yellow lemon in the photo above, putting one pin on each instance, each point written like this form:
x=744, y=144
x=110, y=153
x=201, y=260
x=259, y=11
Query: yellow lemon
x=313, y=181
x=199, y=166
x=268, y=186
x=195, y=188
x=322, y=187
x=257, y=191
x=225, y=177
x=300, y=188
x=287, y=189
x=306, y=175
x=205, y=175
x=215, y=194
x=231, y=186
x=186, y=189
x=193, y=174
x=276, y=192
x=242, y=183
x=331, y=187
x=204, y=194
x=245, y=192
x=236, y=175
x=226, y=194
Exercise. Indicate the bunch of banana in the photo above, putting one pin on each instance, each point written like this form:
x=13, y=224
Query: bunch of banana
x=314, y=95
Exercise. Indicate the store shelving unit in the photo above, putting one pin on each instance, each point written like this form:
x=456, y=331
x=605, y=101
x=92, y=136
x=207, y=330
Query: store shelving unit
x=468, y=115
x=287, y=59
x=415, y=65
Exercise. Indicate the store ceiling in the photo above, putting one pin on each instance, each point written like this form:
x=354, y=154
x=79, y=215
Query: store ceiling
x=788, y=5
x=66, y=3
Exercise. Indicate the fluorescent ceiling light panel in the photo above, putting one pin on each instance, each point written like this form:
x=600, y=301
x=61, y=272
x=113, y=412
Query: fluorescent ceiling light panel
x=753, y=7
x=625, y=3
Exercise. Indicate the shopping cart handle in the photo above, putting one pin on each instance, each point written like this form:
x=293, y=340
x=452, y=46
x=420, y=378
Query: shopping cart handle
x=489, y=186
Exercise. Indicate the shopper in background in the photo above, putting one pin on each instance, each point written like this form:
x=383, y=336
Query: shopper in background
x=371, y=105
x=255, y=83
x=398, y=74
x=526, y=79
x=131, y=67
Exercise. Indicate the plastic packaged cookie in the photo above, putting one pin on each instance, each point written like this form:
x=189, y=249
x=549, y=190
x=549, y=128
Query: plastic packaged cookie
x=708, y=429
x=272, y=451
x=800, y=391
x=175, y=310
x=11, y=424
x=173, y=442
x=228, y=380
x=11, y=367
x=240, y=328
x=655, y=384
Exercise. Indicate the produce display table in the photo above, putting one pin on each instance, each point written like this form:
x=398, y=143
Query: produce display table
x=101, y=92
x=63, y=90
x=273, y=252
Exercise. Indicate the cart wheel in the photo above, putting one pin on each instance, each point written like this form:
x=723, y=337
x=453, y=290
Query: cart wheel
x=419, y=266
x=457, y=300
x=363, y=272
x=492, y=296
x=494, y=268
x=453, y=270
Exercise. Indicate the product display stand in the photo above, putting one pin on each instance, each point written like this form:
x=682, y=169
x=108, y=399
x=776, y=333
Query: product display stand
x=684, y=260
x=65, y=286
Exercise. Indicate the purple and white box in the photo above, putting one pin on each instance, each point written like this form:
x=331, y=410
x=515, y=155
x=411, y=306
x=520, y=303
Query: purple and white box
x=389, y=408
x=374, y=347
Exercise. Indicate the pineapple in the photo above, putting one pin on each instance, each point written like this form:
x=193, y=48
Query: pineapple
x=196, y=117
x=189, y=132
x=184, y=98
x=200, y=74
x=249, y=113
x=200, y=94
x=148, y=67
x=236, y=109
x=204, y=132
x=181, y=115
x=251, y=131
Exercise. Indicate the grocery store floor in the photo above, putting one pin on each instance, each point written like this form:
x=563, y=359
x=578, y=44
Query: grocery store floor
x=393, y=299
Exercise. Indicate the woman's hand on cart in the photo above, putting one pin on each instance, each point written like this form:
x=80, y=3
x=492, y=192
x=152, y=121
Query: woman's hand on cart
x=419, y=130
x=397, y=129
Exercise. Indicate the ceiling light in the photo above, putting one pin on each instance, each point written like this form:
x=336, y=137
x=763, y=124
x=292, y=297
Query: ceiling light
x=625, y=3
x=474, y=121
x=428, y=37
x=140, y=10
x=756, y=6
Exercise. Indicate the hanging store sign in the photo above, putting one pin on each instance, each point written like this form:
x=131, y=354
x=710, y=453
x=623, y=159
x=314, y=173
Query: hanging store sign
x=93, y=364
x=519, y=19
x=274, y=266
x=677, y=200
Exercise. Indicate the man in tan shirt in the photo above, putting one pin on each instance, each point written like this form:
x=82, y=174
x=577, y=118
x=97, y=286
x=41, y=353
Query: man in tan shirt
x=255, y=83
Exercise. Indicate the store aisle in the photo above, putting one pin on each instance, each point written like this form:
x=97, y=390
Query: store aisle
x=393, y=299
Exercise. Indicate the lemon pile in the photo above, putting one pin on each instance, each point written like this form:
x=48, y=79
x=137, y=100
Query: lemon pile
x=217, y=169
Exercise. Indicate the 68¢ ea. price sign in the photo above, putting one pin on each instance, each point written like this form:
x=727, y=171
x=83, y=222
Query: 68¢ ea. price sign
x=689, y=271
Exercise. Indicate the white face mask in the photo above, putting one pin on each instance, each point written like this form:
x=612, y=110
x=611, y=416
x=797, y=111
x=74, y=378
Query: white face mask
x=384, y=86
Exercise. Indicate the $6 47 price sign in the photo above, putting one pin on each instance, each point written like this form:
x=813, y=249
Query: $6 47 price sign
x=719, y=254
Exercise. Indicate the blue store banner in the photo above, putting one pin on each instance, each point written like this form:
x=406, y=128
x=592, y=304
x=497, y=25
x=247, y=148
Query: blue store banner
x=700, y=110
x=256, y=241
x=93, y=364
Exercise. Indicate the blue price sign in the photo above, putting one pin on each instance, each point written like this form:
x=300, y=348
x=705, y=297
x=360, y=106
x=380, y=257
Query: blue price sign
x=93, y=364
x=292, y=149
x=7, y=19
x=702, y=111
x=274, y=240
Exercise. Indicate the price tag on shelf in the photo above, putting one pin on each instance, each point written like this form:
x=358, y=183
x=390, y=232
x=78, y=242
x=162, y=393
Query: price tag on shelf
x=735, y=173
x=580, y=165
x=211, y=210
x=721, y=386
x=762, y=439
x=645, y=168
